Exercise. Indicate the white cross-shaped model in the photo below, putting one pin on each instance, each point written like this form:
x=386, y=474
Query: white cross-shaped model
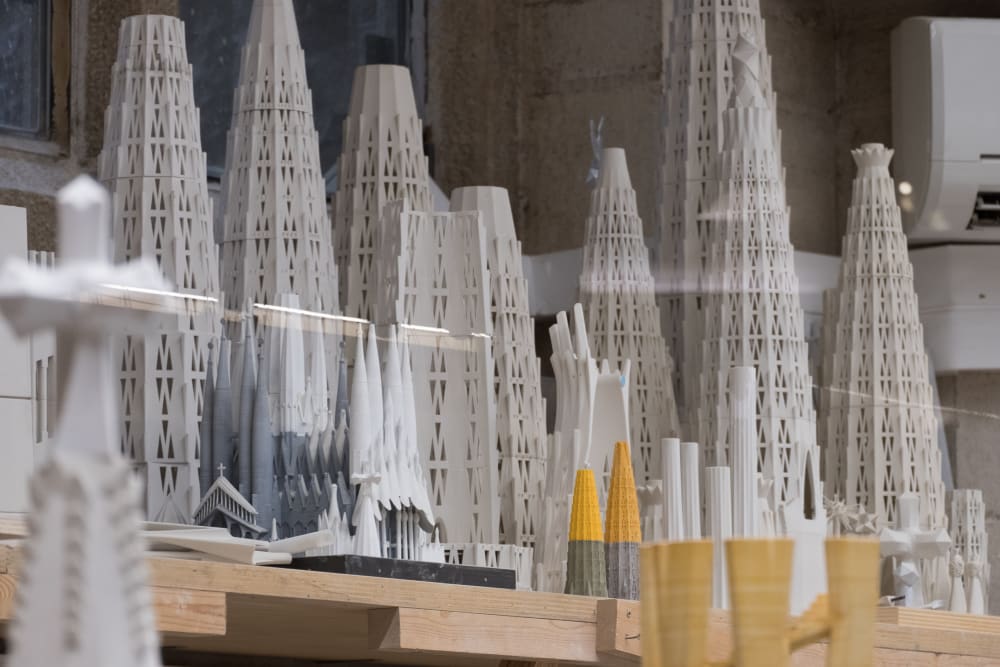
x=83, y=598
x=907, y=543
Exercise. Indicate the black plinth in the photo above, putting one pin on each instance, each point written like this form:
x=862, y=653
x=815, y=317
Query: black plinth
x=391, y=568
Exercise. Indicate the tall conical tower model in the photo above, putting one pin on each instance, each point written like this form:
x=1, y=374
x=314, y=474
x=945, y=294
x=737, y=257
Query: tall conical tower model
x=153, y=165
x=752, y=312
x=699, y=84
x=277, y=233
x=382, y=161
x=881, y=428
x=520, y=409
x=618, y=294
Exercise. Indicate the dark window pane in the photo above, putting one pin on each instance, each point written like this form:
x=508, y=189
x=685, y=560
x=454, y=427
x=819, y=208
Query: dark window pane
x=337, y=36
x=24, y=66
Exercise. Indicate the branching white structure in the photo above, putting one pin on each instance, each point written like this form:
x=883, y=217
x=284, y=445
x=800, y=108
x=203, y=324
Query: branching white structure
x=618, y=294
x=703, y=34
x=277, y=232
x=382, y=160
x=82, y=594
x=881, y=428
x=520, y=409
x=971, y=542
x=153, y=165
x=433, y=284
x=591, y=416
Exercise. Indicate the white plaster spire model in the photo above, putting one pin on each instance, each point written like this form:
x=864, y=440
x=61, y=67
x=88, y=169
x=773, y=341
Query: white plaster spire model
x=968, y=529
x=277, y=232
x=382, y=160
x=618, y=294
x=361, y=418
x=436, y=288
x=908, y=544
x=753, y=318
x=519, y=404
x=881, y=428
x=591, y=416
x=153, y=164
x=703, y=35
x=82, y=594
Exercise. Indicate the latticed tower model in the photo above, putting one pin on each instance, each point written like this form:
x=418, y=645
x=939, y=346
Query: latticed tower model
x=968, y=529
x=752, y=312
x=382, y=161
x=277, y=233
x=520, y=409
x=618, y=294
x=881, y=427
x=434, y=284
x=153, y=165
x=699, y=84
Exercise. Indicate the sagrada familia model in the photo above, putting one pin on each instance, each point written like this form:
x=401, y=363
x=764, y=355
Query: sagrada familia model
x=411, y=424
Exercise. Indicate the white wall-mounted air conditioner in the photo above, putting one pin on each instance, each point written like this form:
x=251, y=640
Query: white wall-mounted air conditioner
x=946, y=128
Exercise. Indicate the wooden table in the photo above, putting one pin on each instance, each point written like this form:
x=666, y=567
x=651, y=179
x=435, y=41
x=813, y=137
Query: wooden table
x=215, y=608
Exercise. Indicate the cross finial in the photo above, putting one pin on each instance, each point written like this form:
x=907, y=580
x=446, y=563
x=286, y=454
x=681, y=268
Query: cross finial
x=222, y=470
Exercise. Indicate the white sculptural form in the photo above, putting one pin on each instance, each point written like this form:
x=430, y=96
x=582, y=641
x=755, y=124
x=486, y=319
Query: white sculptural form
x=520, y=409
x=907, y=544
x=591, y=416
x=703, y=34
x=277, y=237
x=382, y=160
x=82, y=593
x=153, y=164
x=618, y=295
x=881, y=428
x=753, y=317
x=968, y=531
x=431, y=269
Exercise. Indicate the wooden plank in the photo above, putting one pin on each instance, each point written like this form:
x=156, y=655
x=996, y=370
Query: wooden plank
x=481, y=635
x=937, y=620
x=618, y=637
x=179, y=611
x=370, y=592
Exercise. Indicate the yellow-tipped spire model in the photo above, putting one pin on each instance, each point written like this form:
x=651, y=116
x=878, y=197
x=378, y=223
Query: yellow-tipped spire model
x=585, y=573
x=622, y=531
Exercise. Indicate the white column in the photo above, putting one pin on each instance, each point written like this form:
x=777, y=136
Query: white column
x=673, y=506
x=691, y=490
x=720, y=528
x=743, y=455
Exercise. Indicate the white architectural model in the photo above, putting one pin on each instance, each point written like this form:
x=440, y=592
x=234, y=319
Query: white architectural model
x=591, y=416
x=703, y=34
x=382, y=160
x=907, y=544
x=753, y=318
x=433, y=284
x=618, y=294
x=743, y=450
x=881, y=429
x=520, y=409
x=277, y=232
x=82, y=595
x=968, y=530
x=153, y=165
x=719, y=512
x=16, y=381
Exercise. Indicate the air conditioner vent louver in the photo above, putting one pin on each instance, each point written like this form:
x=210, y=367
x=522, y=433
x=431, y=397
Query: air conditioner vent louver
x=987, y=211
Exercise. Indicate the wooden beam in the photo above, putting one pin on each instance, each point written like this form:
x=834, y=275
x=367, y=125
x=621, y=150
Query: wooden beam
x=482, y=635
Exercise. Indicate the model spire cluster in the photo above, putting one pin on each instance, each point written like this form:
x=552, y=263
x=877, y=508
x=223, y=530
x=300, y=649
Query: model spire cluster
x=412, y=427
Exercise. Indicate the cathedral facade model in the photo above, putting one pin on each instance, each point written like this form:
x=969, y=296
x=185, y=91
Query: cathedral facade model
x=153, y=164
x=618, y=295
